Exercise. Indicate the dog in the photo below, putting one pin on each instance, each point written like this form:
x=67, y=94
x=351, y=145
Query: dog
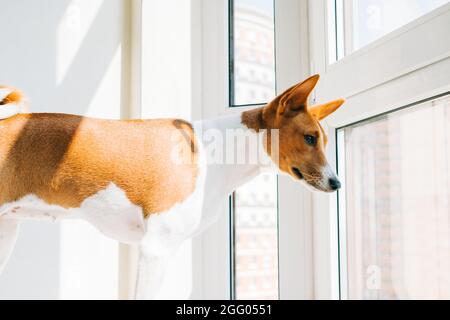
x=148, y=182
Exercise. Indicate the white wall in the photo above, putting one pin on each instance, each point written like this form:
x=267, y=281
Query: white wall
x=166, y=58
x=66, y=55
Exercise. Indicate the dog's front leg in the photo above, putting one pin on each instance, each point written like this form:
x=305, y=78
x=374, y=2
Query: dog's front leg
x=9, y=230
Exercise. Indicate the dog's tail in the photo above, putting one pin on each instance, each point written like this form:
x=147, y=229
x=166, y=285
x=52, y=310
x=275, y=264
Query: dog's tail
x=11, y=102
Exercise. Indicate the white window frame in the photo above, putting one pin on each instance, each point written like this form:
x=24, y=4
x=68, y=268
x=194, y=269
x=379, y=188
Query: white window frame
x=295, y=218
x=383, y=78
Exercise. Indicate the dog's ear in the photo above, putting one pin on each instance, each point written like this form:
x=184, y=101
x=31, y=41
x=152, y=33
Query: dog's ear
x=294, y=100
x=324, y=110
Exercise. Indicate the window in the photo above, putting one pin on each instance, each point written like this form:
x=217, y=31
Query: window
x=396, y=204
x=254, y=206
x=226, y=89
x=361, y=22
x=252, y=50
x=256, y=239
x=386, y=233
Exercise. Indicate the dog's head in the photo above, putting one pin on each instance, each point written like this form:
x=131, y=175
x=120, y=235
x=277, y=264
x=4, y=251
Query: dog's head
x=302, y=140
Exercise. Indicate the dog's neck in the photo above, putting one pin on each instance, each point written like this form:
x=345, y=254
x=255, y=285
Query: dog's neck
x=239, y=162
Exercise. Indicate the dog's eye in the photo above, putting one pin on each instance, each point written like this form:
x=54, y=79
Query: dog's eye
x=310, y=140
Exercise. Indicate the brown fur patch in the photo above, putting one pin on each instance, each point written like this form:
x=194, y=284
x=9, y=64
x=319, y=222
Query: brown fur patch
x=253, y=119
x=64, y=159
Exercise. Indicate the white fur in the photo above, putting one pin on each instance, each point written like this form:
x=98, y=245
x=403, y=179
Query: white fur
x=9, y=110
x=109, y=211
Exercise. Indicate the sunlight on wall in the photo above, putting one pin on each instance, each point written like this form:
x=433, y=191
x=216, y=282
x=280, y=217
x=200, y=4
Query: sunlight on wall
x=166, y=51
x=71, y=31
x=108, y=93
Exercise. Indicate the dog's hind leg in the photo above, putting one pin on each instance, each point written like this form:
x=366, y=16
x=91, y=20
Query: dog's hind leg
x=150, y=275
x=151, y=268
x=9, y=230
x=165, y=233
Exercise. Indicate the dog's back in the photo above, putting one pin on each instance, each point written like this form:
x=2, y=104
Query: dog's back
x=65, y=159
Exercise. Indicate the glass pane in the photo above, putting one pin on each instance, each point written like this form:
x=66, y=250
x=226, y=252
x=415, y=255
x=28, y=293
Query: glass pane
x=252, y=52
x=366, y=21
x=398, y=204
x=256, y=240
x=373, y=19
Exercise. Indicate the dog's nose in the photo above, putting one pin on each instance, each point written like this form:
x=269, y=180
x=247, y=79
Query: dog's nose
x=335, y=184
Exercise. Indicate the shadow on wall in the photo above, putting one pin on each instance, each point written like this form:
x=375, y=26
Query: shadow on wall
x=39, y=40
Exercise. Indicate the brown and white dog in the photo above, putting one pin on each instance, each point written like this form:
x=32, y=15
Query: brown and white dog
x=147, y=182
